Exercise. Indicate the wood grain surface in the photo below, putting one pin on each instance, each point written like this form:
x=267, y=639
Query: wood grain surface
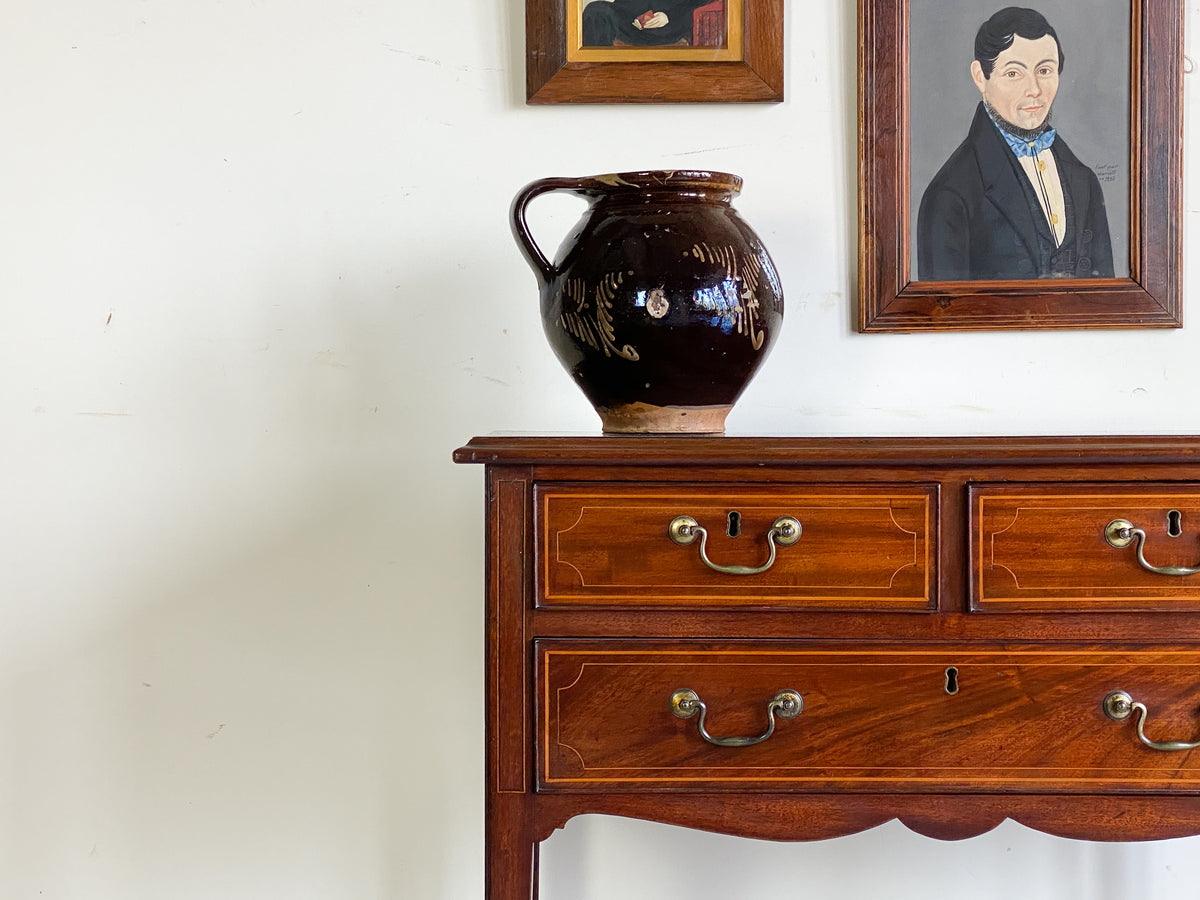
x=595, y=617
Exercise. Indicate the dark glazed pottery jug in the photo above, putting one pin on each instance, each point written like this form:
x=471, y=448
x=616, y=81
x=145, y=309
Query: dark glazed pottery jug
x=662, y=302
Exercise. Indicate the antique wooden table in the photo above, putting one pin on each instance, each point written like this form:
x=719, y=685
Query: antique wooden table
x=802, y=638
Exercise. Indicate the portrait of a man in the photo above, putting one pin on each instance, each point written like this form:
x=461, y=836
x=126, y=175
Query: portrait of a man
x=650, y=23
x=1013, y=200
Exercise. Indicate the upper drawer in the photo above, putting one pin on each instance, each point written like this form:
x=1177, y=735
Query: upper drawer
x=1058, y=547
x=858, y=547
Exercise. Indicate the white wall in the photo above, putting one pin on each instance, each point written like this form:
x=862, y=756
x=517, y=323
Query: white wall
x=256, y=283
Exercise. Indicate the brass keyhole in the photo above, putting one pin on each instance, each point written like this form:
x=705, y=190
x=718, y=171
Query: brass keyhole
x=1174, y=523
x=951, y=680
x=734, y=524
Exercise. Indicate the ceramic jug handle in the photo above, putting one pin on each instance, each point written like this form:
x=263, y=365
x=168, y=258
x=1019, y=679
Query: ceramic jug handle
x=542, y=267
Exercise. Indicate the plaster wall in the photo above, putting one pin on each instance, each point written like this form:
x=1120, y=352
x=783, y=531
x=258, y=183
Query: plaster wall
x=256, y=283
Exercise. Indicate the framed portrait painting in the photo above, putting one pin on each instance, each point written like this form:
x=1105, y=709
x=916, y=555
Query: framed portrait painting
x=653, y=51
x=1019, y=167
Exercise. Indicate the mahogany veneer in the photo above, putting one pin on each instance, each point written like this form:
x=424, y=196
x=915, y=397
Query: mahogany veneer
x=952, y=618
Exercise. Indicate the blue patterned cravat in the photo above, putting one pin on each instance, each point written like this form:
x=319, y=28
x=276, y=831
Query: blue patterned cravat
x=1023, y=147
x=1030, y=148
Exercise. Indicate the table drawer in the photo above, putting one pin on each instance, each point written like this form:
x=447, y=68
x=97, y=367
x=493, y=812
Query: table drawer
x=911, y=719
x=855, y=547
x=1050, y=547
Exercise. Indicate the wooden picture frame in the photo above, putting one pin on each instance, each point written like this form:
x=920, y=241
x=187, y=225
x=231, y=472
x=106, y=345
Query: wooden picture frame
x=748, y=68
x=891, y=298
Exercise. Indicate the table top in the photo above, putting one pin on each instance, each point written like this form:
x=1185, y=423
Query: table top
x=780, y=450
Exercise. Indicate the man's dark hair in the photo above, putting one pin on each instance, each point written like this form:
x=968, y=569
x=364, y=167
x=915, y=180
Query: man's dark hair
x=998, y=33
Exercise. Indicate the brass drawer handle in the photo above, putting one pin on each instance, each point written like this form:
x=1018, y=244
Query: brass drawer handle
x=787, y=704
x=1119, y=706
x=784, y=531
x=1120, y=533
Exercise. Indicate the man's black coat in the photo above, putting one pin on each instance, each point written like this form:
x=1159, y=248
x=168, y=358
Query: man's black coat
x=980, y=219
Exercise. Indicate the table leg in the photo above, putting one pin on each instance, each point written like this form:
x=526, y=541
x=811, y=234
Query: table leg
x=511, y=866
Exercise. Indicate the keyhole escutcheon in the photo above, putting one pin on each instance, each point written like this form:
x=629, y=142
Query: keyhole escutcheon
x=1174, y=523
x=734, y=523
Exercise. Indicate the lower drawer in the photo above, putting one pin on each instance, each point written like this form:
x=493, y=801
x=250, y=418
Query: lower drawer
x=873, y=719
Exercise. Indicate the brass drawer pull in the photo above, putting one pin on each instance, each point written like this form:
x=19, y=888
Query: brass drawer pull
x=1120, y=533
x=786, y=704
x=784, y=531
x=1119, y=706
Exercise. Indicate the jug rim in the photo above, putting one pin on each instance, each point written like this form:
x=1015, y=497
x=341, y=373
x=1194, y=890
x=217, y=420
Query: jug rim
x=643, y=179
